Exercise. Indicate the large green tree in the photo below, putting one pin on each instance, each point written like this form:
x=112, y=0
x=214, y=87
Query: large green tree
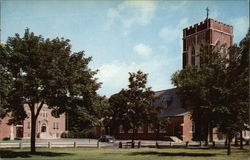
x=5, y=80
x=198, y=87
x=88, y=117
x=134, y=107
x=234, y=113
x=45, y=71
x=218, y=89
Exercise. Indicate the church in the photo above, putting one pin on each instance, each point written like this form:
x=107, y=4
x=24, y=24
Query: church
x=181, y=127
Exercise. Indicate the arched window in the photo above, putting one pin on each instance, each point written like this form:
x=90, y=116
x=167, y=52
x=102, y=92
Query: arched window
x=44, y=128
x=193, y=56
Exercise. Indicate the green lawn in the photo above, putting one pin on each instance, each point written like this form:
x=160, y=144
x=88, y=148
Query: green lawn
x=125, y=154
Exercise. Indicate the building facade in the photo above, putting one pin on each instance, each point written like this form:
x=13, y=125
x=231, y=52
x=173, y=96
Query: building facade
x=179, y=127
x=210, y=32
x=47, y=126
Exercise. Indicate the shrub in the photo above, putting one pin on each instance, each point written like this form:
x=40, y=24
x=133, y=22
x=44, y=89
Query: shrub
x=64, y=135
x=80, y=134
x=6, y=138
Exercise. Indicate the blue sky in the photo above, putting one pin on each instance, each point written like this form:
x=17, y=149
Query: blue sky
x=122, y=36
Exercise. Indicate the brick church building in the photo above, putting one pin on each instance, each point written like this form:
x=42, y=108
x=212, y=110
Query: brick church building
x=47, y=126
x=181, y=127
x=209, y=31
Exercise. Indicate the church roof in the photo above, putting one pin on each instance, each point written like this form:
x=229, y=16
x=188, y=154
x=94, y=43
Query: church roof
x=171, y=102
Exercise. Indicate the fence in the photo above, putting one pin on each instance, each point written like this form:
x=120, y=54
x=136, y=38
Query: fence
x=52, y=145
x=117, y=144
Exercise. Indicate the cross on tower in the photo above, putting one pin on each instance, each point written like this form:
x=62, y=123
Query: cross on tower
x=207, y=12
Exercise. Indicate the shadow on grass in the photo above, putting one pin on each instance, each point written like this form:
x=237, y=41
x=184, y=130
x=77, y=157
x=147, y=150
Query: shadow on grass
x=190, y=147
x=175, y=154
x=207, y=148
x=27, y=154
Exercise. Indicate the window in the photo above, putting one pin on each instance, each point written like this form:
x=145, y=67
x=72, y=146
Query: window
x=130, y=131
x=193, y=56
x=162, y=129
x=165, y=101
x=28, y=125
x=121, y=130
x=140, y=129
x=55, y=125
x=150, y=129
x=44, y=113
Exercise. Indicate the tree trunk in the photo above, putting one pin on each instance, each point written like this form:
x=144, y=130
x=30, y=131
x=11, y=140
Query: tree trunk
x=241, y=140
x=33, y=132
x=235, y=141
x=211, y=138
x=226, y=142
x=133, y=138
x=34, y=116
x=229, y=144
x=157, y=137
x=111, y=131
x=206, y=134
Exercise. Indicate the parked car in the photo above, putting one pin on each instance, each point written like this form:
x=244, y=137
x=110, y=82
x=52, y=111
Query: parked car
x=107, y=138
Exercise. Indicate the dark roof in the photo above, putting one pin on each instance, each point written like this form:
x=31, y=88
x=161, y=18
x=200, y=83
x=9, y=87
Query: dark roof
x=174, y=107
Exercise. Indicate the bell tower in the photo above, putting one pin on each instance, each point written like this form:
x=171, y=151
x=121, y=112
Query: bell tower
x=208, y=31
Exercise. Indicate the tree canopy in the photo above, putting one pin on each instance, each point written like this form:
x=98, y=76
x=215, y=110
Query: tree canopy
x=217, y=91
x=134, y=107
x=45, y=71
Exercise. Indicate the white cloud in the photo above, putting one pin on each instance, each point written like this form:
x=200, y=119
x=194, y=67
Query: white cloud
x=240, y=27
x=130, y=13
x=115, y=75
x=142, y=50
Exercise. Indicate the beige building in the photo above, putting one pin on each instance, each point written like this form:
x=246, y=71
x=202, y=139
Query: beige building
x=47, y=126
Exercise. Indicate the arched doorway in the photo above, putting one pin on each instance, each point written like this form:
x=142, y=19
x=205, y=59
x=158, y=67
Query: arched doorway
x=44, y=128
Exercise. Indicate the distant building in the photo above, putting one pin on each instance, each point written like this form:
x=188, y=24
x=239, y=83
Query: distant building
x=47, y=126
x=179, y=127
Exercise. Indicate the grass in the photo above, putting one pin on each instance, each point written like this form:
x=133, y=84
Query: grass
x=125, y=154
